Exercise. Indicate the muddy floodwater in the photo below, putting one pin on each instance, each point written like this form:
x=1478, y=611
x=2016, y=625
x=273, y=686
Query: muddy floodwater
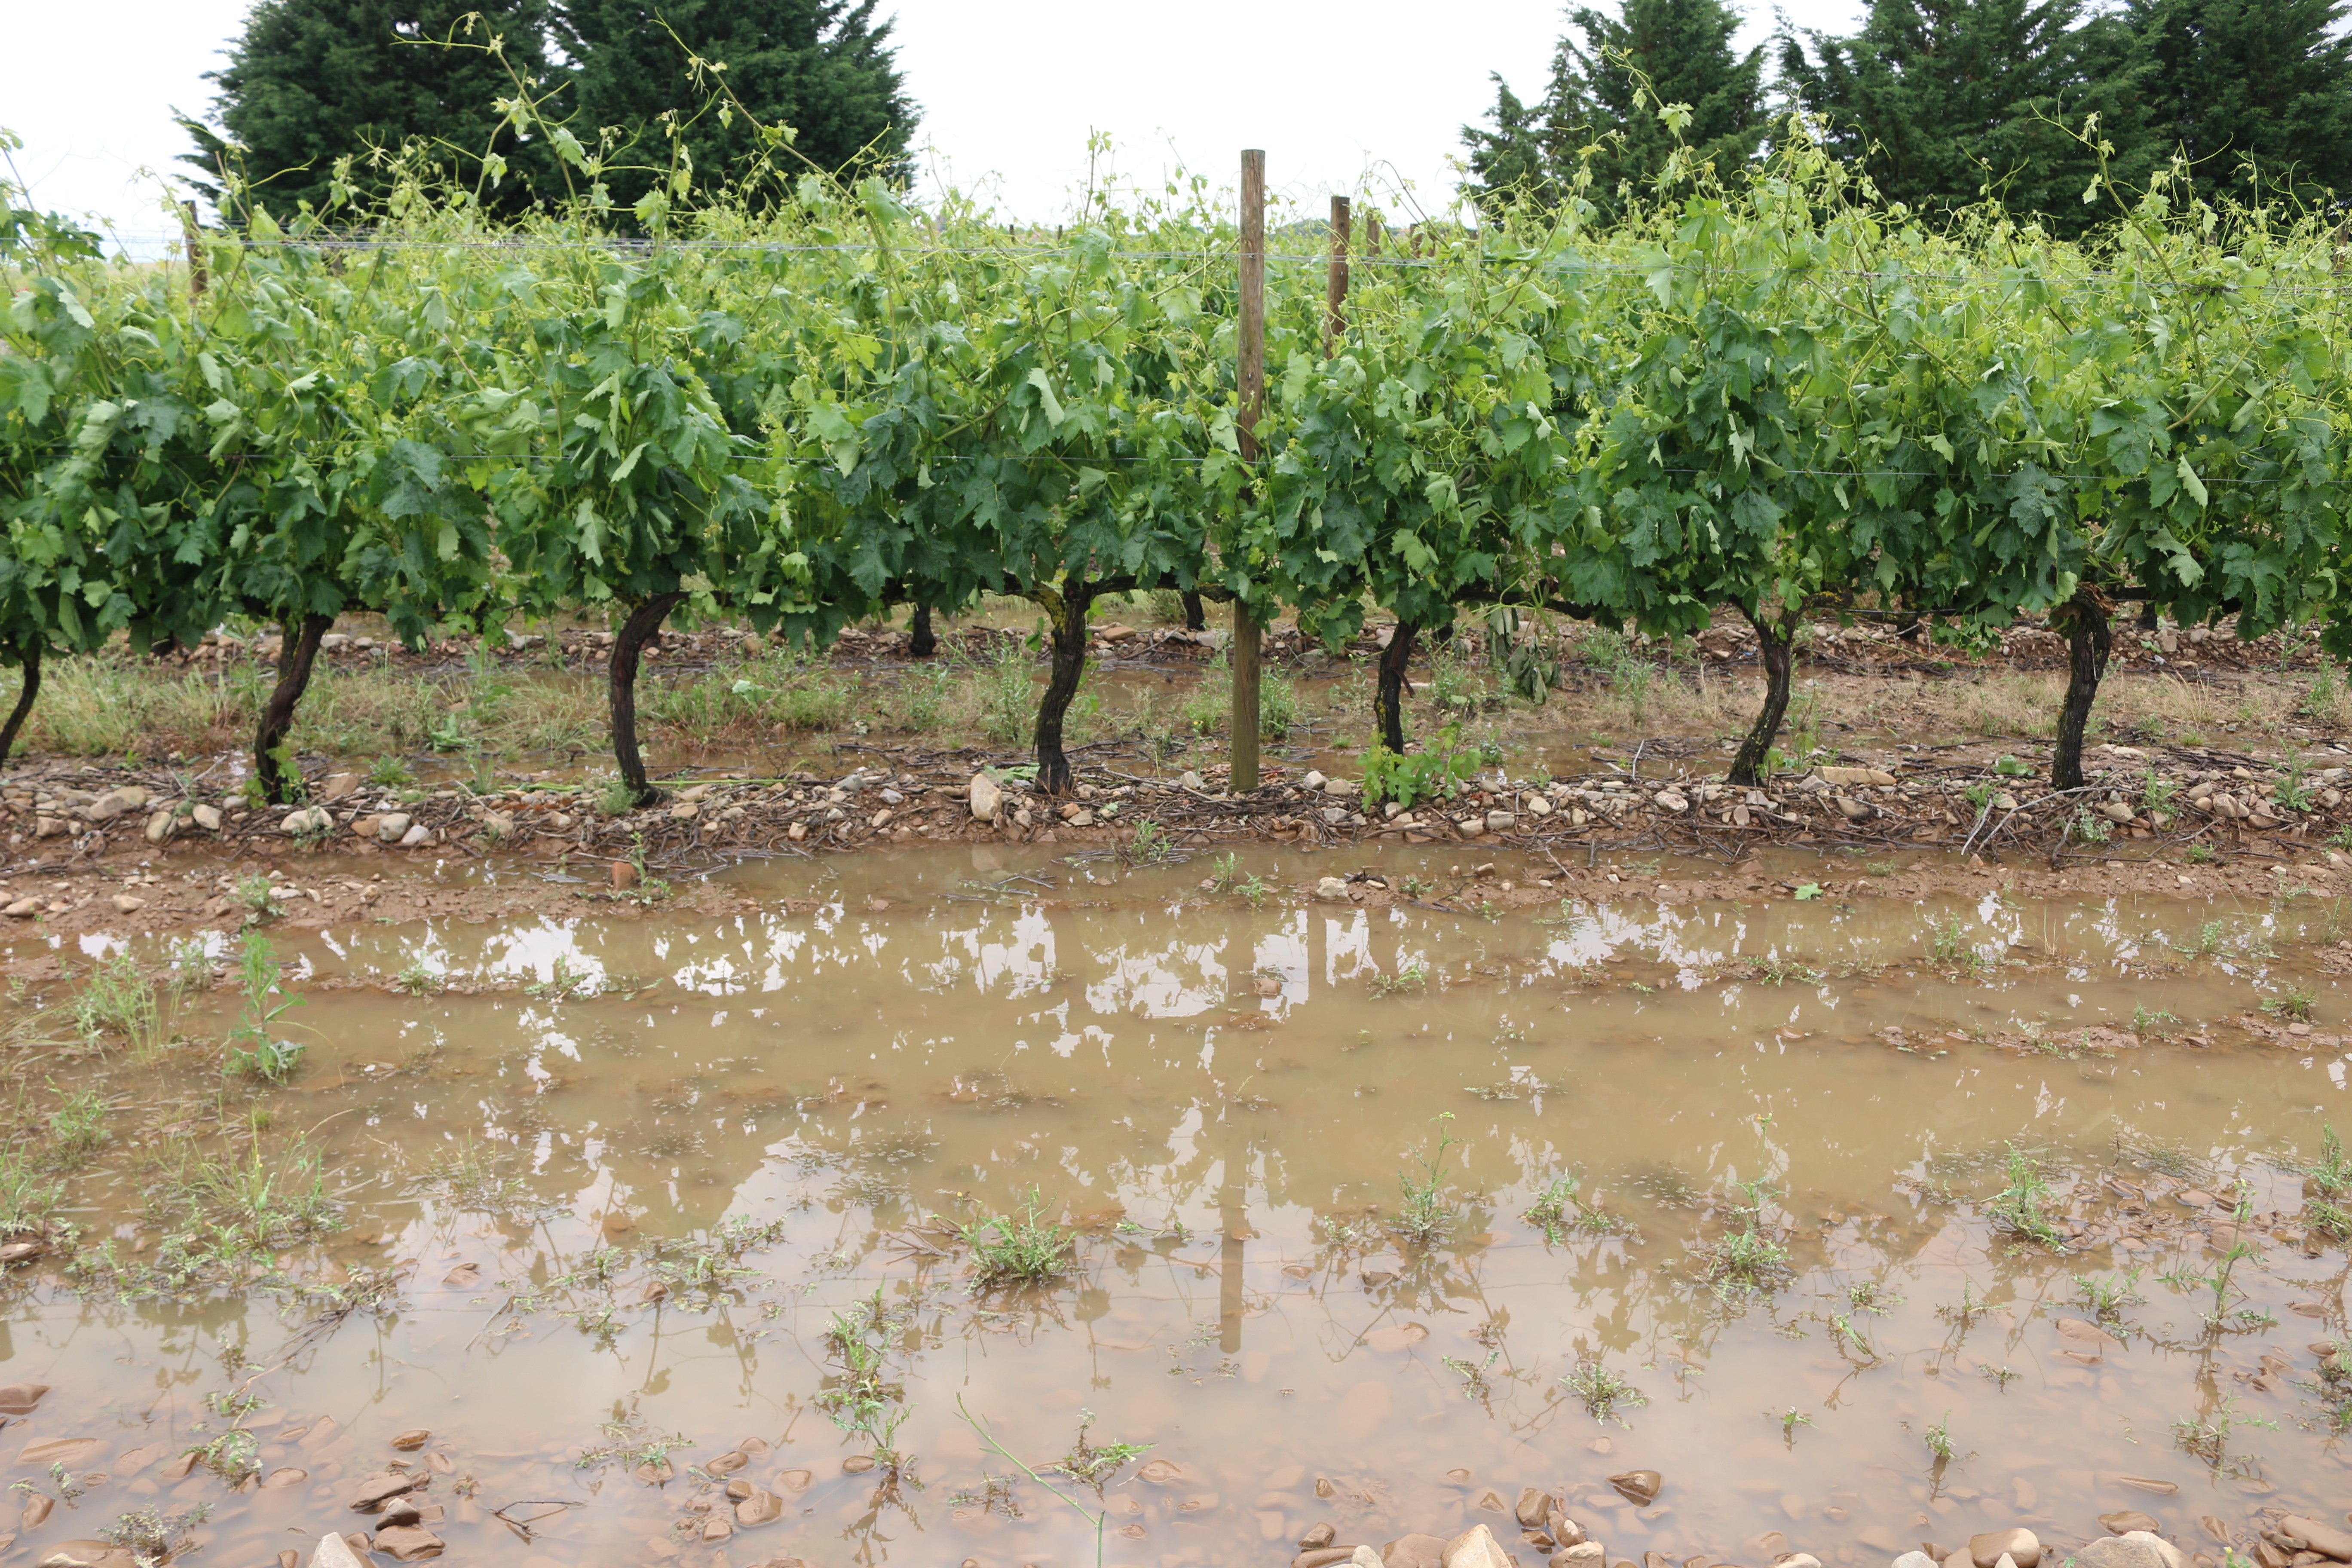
x=598, y=1188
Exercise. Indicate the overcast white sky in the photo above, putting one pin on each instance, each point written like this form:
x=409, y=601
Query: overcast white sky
x=1332, y=91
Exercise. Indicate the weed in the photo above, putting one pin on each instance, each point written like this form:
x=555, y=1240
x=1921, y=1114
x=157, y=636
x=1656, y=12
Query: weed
x=1473, y=1375
x=153, y=1538
x=1413, y=977
x=1747, y=1258
x=1425, y=1219
x=2011, y=768
x=78, y=1126
x=2333, y=1174
x=1152, y=846
x=2293, y=1002
x=1099, y=1518
x=1779, y=971
x=1939, y=1438
x=254, y=1051
x=2203, y=854
x=1096, y=1464
x=420, y=979
x=2023, y=1207
x=2293, y=790
x=2146, y=1024
x=252, y=893
x=1439, y=769
x=1791, y=1419
x=1023, y=1249
x=391, y=773
x=632, y=1445
x=1949, y=949
x=611, y=796
x=2091, y=828
x=1967, y=1310
x=27, y=1198
x=2105, y=1299
x=1869, y=1296
x=1005, y=697
x=858, y=1398
x=1601, y=1391
x=2207, y=1436
x=1558, y=1211
x=563, y=983
x=2155, y=797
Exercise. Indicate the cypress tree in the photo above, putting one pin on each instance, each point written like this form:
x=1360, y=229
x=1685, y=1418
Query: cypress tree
x=825, y=69
x=1682, y=47
x=312, y=80
x=2226, y=82
x=1944, y=101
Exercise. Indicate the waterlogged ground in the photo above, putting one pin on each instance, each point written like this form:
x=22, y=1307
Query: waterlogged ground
x=599, y=1187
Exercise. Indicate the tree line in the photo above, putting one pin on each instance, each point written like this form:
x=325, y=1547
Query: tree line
x=316, y=92
x=1945, y=103
x=1775, y=397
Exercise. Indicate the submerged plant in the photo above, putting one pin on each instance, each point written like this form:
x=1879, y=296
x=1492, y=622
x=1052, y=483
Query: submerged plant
x=1021, y=1248
x=1096, y=1464
x=2022, y=1208
x=1424, y=1217
x=1601, y=1391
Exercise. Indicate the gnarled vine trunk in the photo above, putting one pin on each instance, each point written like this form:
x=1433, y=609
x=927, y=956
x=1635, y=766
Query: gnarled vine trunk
x=1776, y=644
x=920, y=641
x=2084, y=620
x=1388, y=702
x=1196, y=619
x=30, y=663
x=282, y=781
x=628, y=647
x=1066, y=612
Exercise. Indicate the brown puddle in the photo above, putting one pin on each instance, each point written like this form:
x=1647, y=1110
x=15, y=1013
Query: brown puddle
x=629, y=1170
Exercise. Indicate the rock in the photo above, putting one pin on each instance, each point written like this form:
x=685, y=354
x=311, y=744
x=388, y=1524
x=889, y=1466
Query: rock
x=624, y=876
x=1565, y=1531
x=1314, y=780
x=127, y=903
x=162, y=826
x=19, y=1252
x=1988, y=1548
x=85, y=1554
x=36, y=1512
x=1343, y=787
x=409, y=1544
x=498, y=825
x=1847, y=778
x=113, y=804
x=416, y=1437
x=2124, y=1523
x=760, y=1508
x=1671, y=800
x=1115, y=632
x=1324, y=1557
x=1534, y=1507
x=1319, y=1536
x=2115, y=811
x=417, y=836
x=376, y=1491
x=208, y=817
x=1414, y=1552
x=856, y=1464
x=1796, y=1560
x=1331, y=890
x=1190, y=781
x=400, y=1510
x=686, y=811
x=2132, y=1549
x=1641, y=1488
x=337, y=786
x=1854, y=810
x=987, y=800
x=1470, y=826
x=1537, y=805
x=1475, y=1548
x=1584, y=1554
x=728, y=1463
x=288, y=1476
x=22, y=909
x=1915, y=1560
x=2328, y=1540
x=309, y=819
x=1501, y=821
x=289, y=1558
x=1365, y=1557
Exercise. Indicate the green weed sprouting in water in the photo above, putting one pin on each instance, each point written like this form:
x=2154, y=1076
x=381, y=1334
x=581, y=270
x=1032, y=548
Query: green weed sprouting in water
x=2105, y=1299
x=1408, y=978
x=117, y=998
x=1095, y=1464
x=78, y=1126
x=1791, y=1419
x=1558, y=1211
x=1473, y=1375
x=1099, y=1518
x=1747, y=1258
x=861, y=1400
x=254, y=1049
x=2206, y=1437
x=1152, y=846
x=1940, y=1439
x=2023, y=1207
x=2324, y=1211
x=420, y=979
x=2293, y=1003
x=1021, y=1248
x=153, y=1538
x=2146, y=1024
x=261, y=904
x=1948, y=947
x=2220, y=1278
x=1425, y=1219
x=1968, y=1310
x=1601, y=1391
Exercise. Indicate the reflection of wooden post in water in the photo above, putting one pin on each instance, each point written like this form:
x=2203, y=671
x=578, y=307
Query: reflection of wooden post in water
x=1232, y=1214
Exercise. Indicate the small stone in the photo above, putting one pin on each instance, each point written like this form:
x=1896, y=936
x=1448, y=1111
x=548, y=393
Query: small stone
x=1988, y=1548
x=1190, y=781
x=728, y=1463
x=391, y=825
x=1537, y=805
x=987, y=800
x=22, y=909
x=1534, y=1507
x=1796, y=1560
x=1853, y=809
x=856, y=1464
x=1641, y=1488
x=624, y=876
x=2126, y=1521
x=127, y=903
x=559, y=822
x=1672, y=800
x=1331, y=890
x=17, y=1252
x=2132, y=1549
x=1318, y=1536
x=36, y=1512
x=760, y=1508
x=337, y=786
x=686, y=811
x=416, y=1437
x=1416, y=1550
x=1314, y=780
x=2328, y=1540
x=1470, y=826
x=288, y=1476
x=498, y=825
x=409, y=1544
x=1501, y=821
x=1915, y=1560
x=161, y=827
x=376, y=1491
x=717, y=1529
x=309, y=819
x=415, y=837
x=208, y=817
x=1324, y=1557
